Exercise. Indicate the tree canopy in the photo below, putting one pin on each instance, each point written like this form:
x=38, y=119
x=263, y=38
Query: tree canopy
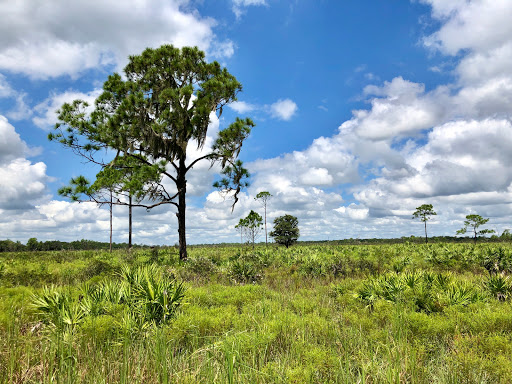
x=250, y=226
x=145, y=122
x=286, y=230
x=473, y=222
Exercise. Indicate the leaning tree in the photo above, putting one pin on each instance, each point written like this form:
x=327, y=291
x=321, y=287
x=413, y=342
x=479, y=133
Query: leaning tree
x=162, y=105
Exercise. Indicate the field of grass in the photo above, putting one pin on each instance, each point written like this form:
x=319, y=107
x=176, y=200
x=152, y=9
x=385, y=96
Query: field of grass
x=403, y=313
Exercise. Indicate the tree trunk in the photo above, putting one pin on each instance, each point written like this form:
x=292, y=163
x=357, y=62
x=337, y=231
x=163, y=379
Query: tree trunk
x=266, y=239
x=110, y=221
x=426, y=238
x=130, y=222
x=181, y=184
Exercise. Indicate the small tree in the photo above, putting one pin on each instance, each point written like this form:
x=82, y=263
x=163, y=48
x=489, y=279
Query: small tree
x=263, y=197
x=424, y=212
x=506, y=235
x=474, y=222
x=286, y=230
x=33, y=244
x=251, y=226
x=241, y=228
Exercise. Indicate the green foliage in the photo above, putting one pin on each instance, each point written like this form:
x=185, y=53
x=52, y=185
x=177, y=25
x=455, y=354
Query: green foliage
x=305, y=321
x=425, y=291
x=250, y=226
x=497, y=260
x=145, y=294
x=58, y=308
x=243, y=272
x=474, y=222
x=263, y=196
x=32, y=244
x=148, y=118
x=499, y=287
x=506, y=235
x=199, y=268
x=424, y=213
x=150, y=294
x=286, y=230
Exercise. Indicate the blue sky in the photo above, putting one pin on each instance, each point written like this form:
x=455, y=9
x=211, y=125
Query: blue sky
x=364, y=110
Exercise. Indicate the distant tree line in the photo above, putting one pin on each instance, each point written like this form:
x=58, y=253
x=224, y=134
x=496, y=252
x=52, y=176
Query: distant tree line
x=55, y=245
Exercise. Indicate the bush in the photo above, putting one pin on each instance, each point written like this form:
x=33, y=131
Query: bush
x=202, y=266
x=425, y=291
x=499, y=287
x=243, y=272
x=148, y=297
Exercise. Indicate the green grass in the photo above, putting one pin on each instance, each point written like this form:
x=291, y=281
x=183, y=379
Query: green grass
x=404, y=313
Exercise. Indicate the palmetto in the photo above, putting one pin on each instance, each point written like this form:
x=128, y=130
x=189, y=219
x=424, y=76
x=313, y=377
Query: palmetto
x=147, y=295
x=58, y=308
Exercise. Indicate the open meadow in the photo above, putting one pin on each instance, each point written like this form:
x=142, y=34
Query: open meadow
x=401, y=313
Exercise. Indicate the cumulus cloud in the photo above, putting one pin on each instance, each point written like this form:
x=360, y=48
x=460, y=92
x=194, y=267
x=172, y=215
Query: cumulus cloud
x=51, y=39
x=21, y=182
x=283, y=109
x=449, y=146
x=475, y=25
x=242, y=107
x=400, y=108
x=11, y=145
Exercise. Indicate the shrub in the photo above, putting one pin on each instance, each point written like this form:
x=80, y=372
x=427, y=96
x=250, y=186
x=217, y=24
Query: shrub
x=149, y=298
x=425, y=291
x=243, y=272
x=202, y=266
x=58, y=309
x=499, y=287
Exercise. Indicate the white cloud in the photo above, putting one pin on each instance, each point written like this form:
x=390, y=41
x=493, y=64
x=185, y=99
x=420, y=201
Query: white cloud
x=401, y=109
x=242, y=107
x=46, y=111
x=476, y=25
x=21, y=182
x=21, y=110
x=283, y=109
x=222, y=49
x=353, y=212
x=11, y=145
x=316, y=176
x=51, y=39
x=5, y=88
x=239, y=5
x=449, y=146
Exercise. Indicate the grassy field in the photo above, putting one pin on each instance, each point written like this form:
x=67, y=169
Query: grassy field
x=402, y=313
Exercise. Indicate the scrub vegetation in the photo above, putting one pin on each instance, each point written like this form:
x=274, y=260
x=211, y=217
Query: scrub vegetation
x=324, y=313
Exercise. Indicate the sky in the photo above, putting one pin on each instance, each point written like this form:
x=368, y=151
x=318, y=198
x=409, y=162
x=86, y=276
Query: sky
x=364, y=110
